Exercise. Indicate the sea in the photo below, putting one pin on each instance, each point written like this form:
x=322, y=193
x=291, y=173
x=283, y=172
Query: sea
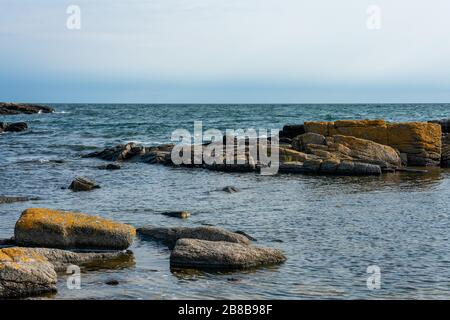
x=377, y=237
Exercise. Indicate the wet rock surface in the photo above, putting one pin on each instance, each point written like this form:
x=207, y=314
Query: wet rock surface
x=169, y=236
x=83, y=184
x=7, y=108
x=67, y=230
x=220, y=255
x=110, y=166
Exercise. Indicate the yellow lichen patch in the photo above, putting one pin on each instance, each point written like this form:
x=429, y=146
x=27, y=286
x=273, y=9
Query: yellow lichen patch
x=56, y=219
x=18, y=258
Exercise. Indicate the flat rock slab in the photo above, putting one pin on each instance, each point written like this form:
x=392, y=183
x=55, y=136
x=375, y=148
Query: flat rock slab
x=220, y=255
x=68, y=230
x=169, y=236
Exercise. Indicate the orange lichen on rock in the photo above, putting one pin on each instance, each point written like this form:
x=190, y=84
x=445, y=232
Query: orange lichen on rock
x=61, y=229
x=420, y=141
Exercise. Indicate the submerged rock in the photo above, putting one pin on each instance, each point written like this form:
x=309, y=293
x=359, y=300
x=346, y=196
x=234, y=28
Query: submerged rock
x=110, y=166
x=68, y=230
x=169, y=236
x=23, y=108
x=83, y=184
x=7, y=199
x=13, y=127
x=231, y=189
x=177, y=214
x=220, y=255
x=24, y=272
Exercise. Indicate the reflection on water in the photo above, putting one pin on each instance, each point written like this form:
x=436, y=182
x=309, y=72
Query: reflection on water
x=330, y=228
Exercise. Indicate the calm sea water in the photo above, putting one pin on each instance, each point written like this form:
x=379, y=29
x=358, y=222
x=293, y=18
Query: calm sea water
x=330, y=228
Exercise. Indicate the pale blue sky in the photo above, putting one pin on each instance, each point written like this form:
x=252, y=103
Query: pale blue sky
x=223, y=51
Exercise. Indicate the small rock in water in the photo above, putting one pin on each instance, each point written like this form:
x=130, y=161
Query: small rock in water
x=177, y=214
x=6, y=199
x=13, y=127
x=249, y=237
x=112, y=282
x=220, y=255
x=83, y=184
x=110, y=166
x=231, y=189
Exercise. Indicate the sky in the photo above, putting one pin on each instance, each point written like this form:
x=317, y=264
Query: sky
x=225, y=51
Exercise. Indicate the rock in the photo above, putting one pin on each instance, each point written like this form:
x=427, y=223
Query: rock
x=32, y=271
x=331, y=167
x=220, y=255
x=361, y=150
x=169, y=236
x=289, y=155
x=249, y=237
x=120, y=152
x=61, y=259
x=231, y=189
x=300, y=142
x=110, y=166
x=7, y=242
x=23, y=108
x=444, y=123
x=6, y=199
x=445, y=160
x=67, y=230
x=83, y=184
x=24, y=272
x=157, y=157
x=112, y=282
x=177, y=214
x=13, y=127
x=420, y=141
x=292, y=130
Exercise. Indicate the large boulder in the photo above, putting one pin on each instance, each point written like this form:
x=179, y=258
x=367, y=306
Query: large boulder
x=169, y=236
x=419, y=141
x=25, y=272
x=66, y=230
x=23, y=108
x=221, y=255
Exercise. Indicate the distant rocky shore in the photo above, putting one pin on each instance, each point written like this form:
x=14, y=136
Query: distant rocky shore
x=348, y=147
x=8, y=108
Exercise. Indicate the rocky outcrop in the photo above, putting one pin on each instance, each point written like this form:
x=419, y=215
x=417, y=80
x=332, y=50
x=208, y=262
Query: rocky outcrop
x=13, y=127
x=169, y=236
x=445, y=161
x=220, y=255
x=83, y=184
x=23, y=108
x=7, y=199
x=419, y=141
x=68, y=230
x=33, y=271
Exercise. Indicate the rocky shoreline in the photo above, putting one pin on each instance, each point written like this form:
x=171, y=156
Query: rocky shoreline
x=46, y=241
